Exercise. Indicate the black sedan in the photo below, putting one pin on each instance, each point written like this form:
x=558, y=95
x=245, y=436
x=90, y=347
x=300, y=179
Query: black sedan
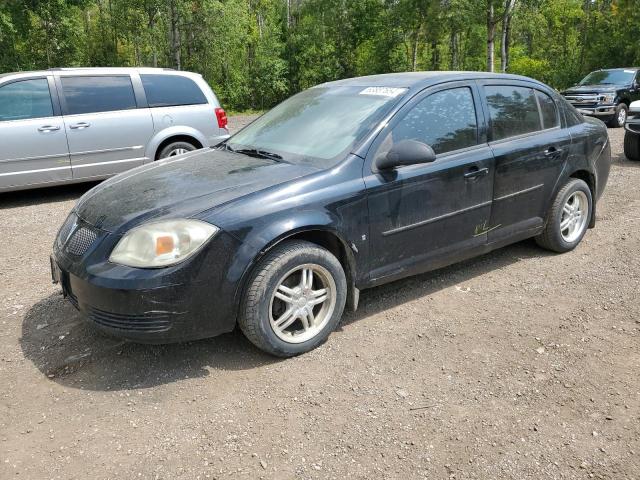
x=342, y=187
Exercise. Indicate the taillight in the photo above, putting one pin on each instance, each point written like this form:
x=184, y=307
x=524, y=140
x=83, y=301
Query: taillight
x=221, y=115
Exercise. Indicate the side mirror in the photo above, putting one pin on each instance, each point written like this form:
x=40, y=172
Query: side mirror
x=406, y=152
x=634, y=108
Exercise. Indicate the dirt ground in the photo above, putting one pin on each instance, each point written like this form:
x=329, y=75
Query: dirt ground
x=519, y=364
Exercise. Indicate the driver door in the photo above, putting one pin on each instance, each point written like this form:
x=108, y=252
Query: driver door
x=428, y=215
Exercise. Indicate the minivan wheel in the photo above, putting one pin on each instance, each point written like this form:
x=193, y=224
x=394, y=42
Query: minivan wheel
x=294, y=300
x=176, y=148
x=620, y=117
x=568, y=218
x=632, y=146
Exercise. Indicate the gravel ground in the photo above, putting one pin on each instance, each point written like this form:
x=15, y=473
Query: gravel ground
x=518, y=364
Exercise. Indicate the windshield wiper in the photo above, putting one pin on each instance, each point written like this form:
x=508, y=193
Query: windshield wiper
x=256, y=152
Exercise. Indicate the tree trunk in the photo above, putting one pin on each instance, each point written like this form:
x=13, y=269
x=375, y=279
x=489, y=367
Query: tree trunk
x=491, y=36
x=506, y=34
x=414, y=52
x=453, y=47
x=174, y=34
x=435, y=55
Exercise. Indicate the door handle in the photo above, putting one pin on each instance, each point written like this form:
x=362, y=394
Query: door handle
x=475, y=172
x=80, y=126
x=48, y=128
x=552, y=152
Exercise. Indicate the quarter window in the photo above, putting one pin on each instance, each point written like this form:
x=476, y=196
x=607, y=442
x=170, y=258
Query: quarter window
x=513, y=111
x=445, y=120
x=25, y=99
x=98, y=94
x=171, y=90
x=548, y=110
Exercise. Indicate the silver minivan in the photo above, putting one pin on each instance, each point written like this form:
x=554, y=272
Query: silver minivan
x=83, y=124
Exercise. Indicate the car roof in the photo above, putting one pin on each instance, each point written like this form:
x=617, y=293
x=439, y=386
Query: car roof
x=98, y=70
x=617, y=68
x=415, y=80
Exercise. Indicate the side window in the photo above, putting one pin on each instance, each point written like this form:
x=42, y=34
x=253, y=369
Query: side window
x=571, y=115
x=98, y=94
x=513, y=111
x=25, y=99
x=548, y=110
x=171, y=90
x=445, y=120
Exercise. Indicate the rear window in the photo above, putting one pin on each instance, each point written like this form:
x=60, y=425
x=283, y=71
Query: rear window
x=98, y=94
x=513, y=111
x=548, y=110
x=171, y=90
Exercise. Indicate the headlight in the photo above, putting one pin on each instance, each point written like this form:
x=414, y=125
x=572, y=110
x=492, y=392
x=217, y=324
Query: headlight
x=607, y=98
x=161, y=244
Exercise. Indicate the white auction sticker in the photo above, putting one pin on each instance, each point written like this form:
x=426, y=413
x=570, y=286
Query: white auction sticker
x=383, y=91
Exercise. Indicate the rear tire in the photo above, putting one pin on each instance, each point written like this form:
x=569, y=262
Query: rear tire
x=620, y=118
x=632, y=146
x=285, y=311
x=568, y=218
x=176, y=148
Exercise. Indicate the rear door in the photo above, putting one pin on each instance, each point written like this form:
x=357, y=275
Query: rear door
x=530, y=148
x=107, y=123
x=32, y=138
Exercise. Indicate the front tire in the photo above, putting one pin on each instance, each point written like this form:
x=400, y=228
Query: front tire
x=568, y=217
x=294, y=300
x=632, y=146
x=620, y=118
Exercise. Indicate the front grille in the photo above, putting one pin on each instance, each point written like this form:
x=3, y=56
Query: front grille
x=81, y=240
x=152, y=323
x=583, y=101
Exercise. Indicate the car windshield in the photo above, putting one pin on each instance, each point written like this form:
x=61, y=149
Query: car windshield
x=609, y=77
x=317, y=126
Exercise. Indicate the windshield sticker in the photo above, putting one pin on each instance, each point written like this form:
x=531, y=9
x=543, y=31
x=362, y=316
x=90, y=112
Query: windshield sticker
x=383, y=91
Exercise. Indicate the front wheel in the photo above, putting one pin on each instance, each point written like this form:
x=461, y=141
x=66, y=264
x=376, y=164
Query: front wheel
x=620, y=117
x=568, y=218
x=294, y=300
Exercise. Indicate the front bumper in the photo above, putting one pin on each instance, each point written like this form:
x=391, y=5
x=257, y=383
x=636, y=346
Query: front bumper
x=601, y=111
x=189, y=301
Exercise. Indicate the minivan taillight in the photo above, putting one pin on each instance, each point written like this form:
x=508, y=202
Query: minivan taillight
x=221, y=115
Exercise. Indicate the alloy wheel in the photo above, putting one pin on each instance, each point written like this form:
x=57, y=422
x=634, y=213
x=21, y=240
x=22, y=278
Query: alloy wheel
x=302, y=304
x=575, y=215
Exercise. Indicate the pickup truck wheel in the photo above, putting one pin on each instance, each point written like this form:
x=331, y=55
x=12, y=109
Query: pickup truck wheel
x=294, y=300
x=568, y=217
x=620, y=117
x=632, y=146
x=176, y=148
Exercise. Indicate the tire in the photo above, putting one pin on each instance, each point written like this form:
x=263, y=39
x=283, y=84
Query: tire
x=618, y=121
x=553, y=237
x=176, y=148
x=261, y=310
x=632, y=146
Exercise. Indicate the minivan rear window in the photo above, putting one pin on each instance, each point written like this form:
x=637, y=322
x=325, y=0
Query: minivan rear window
x=98, y=94
x=171, y=91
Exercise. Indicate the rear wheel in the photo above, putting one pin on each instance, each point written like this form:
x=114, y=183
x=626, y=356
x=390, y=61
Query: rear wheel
x=294, y=300
x=568, y=218
x=620, y=117
x=632, y=146
x=176, y=148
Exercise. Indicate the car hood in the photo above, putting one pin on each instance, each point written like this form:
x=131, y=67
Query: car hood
x=181, y=187
x=592, y=88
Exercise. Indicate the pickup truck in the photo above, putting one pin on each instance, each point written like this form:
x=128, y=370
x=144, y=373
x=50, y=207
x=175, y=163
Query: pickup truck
x=606, y=94
x=632, y=133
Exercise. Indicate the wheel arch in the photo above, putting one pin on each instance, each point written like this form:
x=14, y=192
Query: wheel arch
x=321, y=235
x=171, y=134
